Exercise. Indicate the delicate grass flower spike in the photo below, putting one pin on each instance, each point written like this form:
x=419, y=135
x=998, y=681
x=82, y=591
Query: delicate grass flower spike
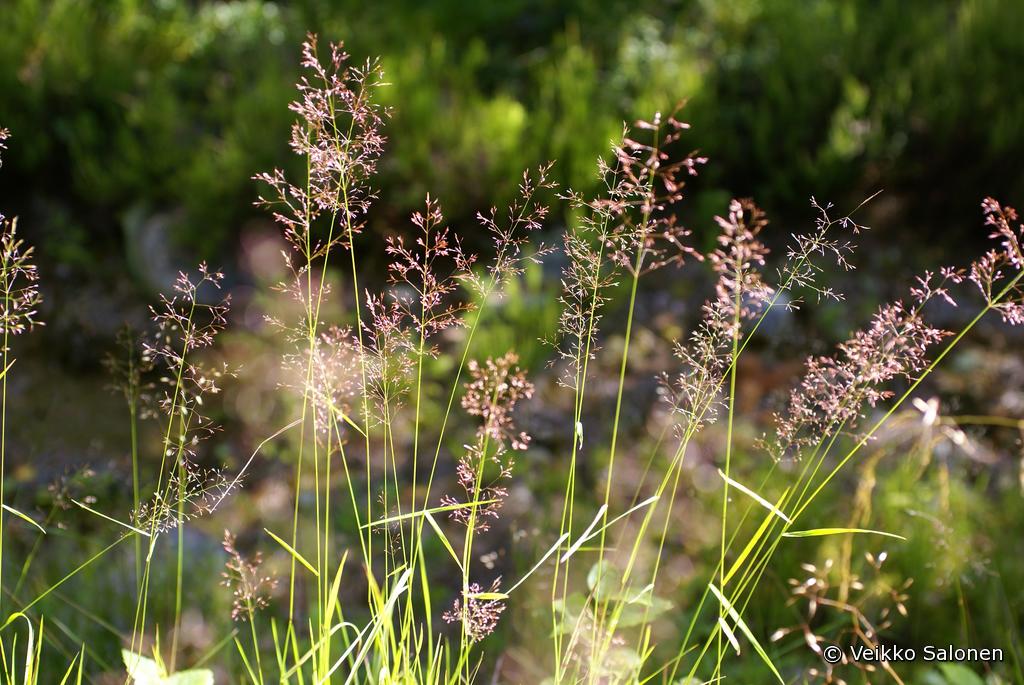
x=19, y=289
x=492, y=394
x=250, y=586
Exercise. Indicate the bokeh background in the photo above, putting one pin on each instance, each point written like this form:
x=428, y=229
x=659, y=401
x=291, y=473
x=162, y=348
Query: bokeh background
x=137, y=126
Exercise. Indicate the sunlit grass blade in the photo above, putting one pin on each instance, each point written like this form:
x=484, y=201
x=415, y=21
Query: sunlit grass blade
x=729, y=635
x=753, y=495
x=443, y=537
x=422, y=512
x=332, y=598
x=818, y=532
x=295, y=554
x=551, y=550
x=384, y=615
x=79, y=661
x=111, y=519
x=587, y=534
x=590, y=533
x=741, y=624
x=738, y=564
x=245, y=661
x=24, y=517
x=347, y=419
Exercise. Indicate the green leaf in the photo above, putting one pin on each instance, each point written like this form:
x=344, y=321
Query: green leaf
x=145, y=671
x=425, y=512
x=142, y=670
x=7, y=368
x=729, y=635
x=817, y=532
x=332, y=598
x=738, y=564
x=605, y=581
x=958, y=674
x=631, y=615
x=198, y=676
x=110, y=518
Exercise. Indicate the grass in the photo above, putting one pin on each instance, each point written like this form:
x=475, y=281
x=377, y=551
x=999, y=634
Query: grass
x=399, y=426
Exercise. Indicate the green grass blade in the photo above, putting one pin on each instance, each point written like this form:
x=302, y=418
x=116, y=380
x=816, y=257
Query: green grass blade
x=421, y=512
x=24, y=517
x=111, y=519
x=444, y=538
x=731, y=636
x=741, y=624
x=753, y=495
x=818, y=532
x=295, y=554
x=753, y=542
x=7, y=368
x=551, y=550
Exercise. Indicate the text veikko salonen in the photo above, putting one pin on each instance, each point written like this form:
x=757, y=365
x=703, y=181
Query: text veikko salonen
x=891, y=653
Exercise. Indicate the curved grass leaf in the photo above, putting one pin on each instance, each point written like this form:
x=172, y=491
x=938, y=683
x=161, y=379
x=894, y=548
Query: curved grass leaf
x=295, y=554
x=818, y=532
x=741, y=624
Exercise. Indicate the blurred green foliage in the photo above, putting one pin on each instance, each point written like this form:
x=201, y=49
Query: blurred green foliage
x=171, y=106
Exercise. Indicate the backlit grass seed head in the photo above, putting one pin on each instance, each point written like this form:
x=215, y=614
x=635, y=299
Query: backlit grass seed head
x=338, y=131
x=629, y=226
x=72, y=484
x=339, y=127
x=492, y=394
x=510, y=236
x=496, y=387
x=835, y=389
x=693, y=393
x=199, y=492
x=478, y=616
x=326, y=373
x=251, y=588
x=585, y=279
x=737, y=261
x=643, y=183
x=427, y=274
x=389, y=350
x=19, y=287
x=991, y=273
x=183, y=324
x=801, y=269
x=129, y=369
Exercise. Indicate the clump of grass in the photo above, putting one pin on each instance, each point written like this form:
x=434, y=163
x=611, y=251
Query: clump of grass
x=369, y=432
